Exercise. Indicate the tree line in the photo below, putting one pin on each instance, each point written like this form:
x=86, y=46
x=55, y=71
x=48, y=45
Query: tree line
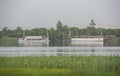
x=61, y=32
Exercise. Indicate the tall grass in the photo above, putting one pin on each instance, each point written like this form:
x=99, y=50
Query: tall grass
x=60, y=66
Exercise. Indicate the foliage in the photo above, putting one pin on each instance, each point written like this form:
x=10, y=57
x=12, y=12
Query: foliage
x=62, y=32
x=60, y=66
x=8, y=41
x=92, y=24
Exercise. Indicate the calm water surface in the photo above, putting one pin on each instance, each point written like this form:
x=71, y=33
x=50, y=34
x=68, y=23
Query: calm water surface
x=108, y=48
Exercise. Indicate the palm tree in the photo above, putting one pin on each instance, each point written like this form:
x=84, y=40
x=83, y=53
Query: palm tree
x=92, y=24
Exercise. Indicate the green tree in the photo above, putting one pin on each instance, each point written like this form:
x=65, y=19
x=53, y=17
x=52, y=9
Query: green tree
x=66, y=31
x=59, y=31
x=52, y=35
x=18, y=32
x=19, y=29
x=5, y=29
x=59, y=25
x=74, y=31
x=92, y=23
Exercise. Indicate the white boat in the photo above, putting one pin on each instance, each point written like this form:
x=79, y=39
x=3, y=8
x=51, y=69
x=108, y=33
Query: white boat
x=33, y=39
x=87, y=39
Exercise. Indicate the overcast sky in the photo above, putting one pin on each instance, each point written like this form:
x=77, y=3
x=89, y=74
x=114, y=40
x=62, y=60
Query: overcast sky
x=46, y=13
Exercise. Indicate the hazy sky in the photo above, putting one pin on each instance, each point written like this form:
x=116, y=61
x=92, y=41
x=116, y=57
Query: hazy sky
x=46, y=13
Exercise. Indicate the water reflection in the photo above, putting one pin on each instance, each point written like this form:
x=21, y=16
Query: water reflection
x=60, y=51
x=108, y=48
x=109, y=42
x=34, y=44
x=100, y=44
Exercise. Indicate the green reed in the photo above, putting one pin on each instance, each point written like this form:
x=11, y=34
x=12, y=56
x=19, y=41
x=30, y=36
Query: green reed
x=60, y=66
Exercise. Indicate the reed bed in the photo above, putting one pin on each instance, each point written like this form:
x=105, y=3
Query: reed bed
x=60, y=66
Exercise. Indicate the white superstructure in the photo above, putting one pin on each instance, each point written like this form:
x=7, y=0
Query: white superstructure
x=93, y=39
x=32, y=39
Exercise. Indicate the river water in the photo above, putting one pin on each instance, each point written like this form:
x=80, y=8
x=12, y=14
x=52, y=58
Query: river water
x=107, y=48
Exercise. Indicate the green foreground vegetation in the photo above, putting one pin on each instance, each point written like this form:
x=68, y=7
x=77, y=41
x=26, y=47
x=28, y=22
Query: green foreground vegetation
x=60, y=66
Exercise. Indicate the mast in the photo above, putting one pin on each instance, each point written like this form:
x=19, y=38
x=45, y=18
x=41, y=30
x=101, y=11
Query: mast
x=47, y=35
x=77, y=33
x=23, y=34
x=70, y=33
x=101, y=33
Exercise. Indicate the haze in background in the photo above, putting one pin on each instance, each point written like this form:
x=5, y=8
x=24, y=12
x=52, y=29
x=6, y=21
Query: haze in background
x=45, y=13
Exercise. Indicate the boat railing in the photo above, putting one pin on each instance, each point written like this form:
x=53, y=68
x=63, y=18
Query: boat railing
x=87, y=37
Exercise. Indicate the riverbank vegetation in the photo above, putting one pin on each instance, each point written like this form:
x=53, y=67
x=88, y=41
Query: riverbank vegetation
x=8, y=41
x=60, y=66
x=61, y=32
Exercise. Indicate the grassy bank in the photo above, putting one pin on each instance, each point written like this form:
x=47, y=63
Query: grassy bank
x=60, y=66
